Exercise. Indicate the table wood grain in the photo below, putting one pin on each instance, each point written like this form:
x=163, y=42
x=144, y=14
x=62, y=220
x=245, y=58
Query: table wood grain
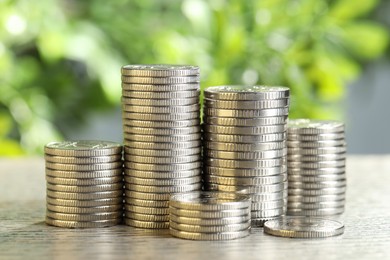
x=24, y=235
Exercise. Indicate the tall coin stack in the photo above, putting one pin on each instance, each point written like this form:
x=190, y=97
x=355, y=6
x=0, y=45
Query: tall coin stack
x=316, y=167
x=162, y=138
x=84, y=184
x=245, y=147
x=210, y=215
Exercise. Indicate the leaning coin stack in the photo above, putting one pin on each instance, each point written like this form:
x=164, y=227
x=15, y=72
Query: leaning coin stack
x=161, y=125
x=210, y=215
x=245, y=148
x=84, y=184
x=316, y=167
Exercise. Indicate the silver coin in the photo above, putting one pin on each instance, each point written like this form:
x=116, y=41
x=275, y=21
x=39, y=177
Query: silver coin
x=259, y=222
x=210, y=214
x=83, y=160
x=210, y=229
x=162, y=124
x=317, y=192
x=267, y=205
x=261, y=104
x=161, y=138
x=315, y=198
x=160, y=102
x=244, y=130
x=246, y=92
x=209, y=236
x=316, y=205
x=303, y=227
x=209, y=201
x=245, y=138
x=236, y=147
x=315, y=137
x=164, y=189
x=84, y=203
x=163, y=167
x=269, y=213
x=162, y=175
x=146, y=210
x=163, y=182
x=315, y=158
x=85, y=189
x=247, y=164
x=161, y=80
x=113, y=173
x=162, y=146
x=83, y=217
x=160, y=110
x=83, y=167
x=146, y=224
x=315, y=165
x=159, y=70
x=162, y=153
x=161, y=131
x=84, y=196
x=84, y=210
x=261, y=121
x=317, y=151
x=83, y=148
x=147, y=203
x=269, y=196
x=249, y=189
x=84, y=182
x=316, y=185
x=316, y=212
x=310, y=126
x=316, y=144
x=163, y=160
x=258, y=155
x=210, y=221
x=269, y=112
x=147, y=195
x=161, y=88
x=146, y=217
x=231, y=172
x=82, y=224
x=316, y=172
x=266, y=180
x=316, y=178
x=160, y=95
x=160, y=117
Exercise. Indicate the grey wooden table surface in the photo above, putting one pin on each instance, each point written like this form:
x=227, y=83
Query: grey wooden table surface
x=24, y=235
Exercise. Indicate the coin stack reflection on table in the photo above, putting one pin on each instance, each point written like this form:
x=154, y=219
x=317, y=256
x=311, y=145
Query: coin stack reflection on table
x=316, y=167
x=160, y=110
x=205, y=215
x=245, y=149
x=84, y=184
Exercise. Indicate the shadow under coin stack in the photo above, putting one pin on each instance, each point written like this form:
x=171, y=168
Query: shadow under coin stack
x=245, y=149
x=210, y=215
x=160, y=109
x=84, y=184
x=316, y=168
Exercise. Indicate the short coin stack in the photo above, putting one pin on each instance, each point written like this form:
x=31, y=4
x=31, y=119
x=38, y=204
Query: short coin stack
x=210, y=215
x=316, y=167
x=161, y=125
x=245, y=147
x=84, y=184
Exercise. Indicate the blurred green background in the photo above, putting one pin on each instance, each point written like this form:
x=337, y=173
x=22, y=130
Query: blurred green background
x=60, y=59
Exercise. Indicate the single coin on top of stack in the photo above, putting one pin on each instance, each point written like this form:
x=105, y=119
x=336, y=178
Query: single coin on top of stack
x=205, y=215
x=84, y=181
x=161, y=127
x=316, y=167
x=244, y=145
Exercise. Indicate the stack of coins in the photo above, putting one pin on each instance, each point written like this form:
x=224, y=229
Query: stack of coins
x=162, y=139
x=210, y=215
x=84, y=184
x=245, y=147
x=316, y=167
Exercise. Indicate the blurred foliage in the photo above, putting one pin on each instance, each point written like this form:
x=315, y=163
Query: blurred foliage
x=60, y=59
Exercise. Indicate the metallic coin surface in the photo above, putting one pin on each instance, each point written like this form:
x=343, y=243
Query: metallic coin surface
x=162, y=146
x=209, y=236
x=232, y=92
x=160, y=102
x=84, y=210
x=269, y=112
x=316, y=137
x=84, y=182
x=232, y=172
x=83, y=167
x=164, y=189
x=161, y=80
x=146, y=217
x=210, y=221
x=317, y=192
x=163, y=160
x=83, y=148
x=84, y=217
x=113, y=173
x=82, y=224
x=258, y=155
x=310, y=126
x=84, y=203
x=250, y=147
x=159, y=70
x=163, y=167
x=316, y=205
x=210, y=229
x=316, y=212
x=85, y=189
x=147, y=203
x=161, y=131
x=161, y=88
x=245, y=130
x=146, y=224
x=266, y=180
x=249, y=189
x=216, y=214
x=316, y=144
x=162, y=153
x=162, y=124
x=247, y=164
x=303, y=227
x=160, y=117
x=230, y=104
x=279, y=137
x=315, y=198
x=83, y=160
x=147, y=210
x=84, y=196
x=163, y=182
x=162, y=175
x=260, y=121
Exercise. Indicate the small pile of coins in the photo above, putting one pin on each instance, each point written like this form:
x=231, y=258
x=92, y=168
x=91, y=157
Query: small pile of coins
x=84, y=184
x=161, y=124
x=245, y=145
x=316, y=167
x=210, y=215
